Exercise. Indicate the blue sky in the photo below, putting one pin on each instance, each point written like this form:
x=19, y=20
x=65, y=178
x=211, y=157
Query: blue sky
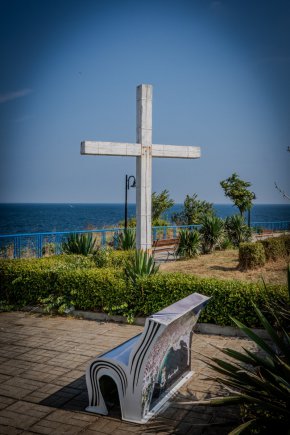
x=220, y=72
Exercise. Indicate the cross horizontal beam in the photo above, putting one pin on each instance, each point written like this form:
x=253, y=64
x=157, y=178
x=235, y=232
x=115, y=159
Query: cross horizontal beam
x=135, y=150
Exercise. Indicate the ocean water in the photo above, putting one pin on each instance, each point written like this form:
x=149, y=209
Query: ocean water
x=30, y=218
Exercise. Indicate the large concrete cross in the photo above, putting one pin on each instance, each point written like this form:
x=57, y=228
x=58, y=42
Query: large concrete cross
x=143, y=150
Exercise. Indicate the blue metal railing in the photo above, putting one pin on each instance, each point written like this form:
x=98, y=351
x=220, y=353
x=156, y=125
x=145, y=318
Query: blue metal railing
x=41, y=244
x=272, y=226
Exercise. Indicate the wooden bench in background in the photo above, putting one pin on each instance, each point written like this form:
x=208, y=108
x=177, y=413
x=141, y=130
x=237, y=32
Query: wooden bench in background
x=149, y=368
x=168, y=246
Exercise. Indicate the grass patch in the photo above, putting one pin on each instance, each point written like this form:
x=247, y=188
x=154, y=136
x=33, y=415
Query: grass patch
x=224, y=265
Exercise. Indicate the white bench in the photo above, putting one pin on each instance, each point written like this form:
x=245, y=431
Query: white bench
x=149, y=368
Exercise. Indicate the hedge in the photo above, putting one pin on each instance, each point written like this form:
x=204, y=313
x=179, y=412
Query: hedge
x=25, y=282
x=255, y=254
x=274, y=248
x=106, y=289
x=251, y=255
x=229, y=297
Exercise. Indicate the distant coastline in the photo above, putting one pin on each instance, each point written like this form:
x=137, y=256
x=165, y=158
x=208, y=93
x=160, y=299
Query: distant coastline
x=18, y=218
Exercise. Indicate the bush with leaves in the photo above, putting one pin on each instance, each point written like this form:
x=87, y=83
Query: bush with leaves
x=25, y=281
x=237, y=190
x=212, y=232
x=274, y=248
x=108, y=257
x=237, y=230
x=126, y=239
x=83, y=244
x=189, y=244
x=251, y=256
x=142, y=264
x=160, y=203
x=193, y=211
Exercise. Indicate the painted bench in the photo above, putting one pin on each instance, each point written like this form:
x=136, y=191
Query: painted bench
x=165, y=245
x=149, y=368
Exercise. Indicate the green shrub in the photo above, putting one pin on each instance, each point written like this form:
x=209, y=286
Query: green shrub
x=229, y=298
x=82, y=244
x=274, y=248
x=260, y=383
x=141, y=265
x=212, y=231
x=75, y=280
x=189, y=243
x=251, y=256
x=25, y=282
x=108, y=257
x=126, y=239
x=286, y=239
x=237, y=230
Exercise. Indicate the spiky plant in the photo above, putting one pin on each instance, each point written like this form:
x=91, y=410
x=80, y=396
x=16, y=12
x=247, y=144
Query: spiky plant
x=212, y=231
x=260, y=383
x=237, y=230
x=126, y=239
x=189, y=243
x=82, y=244
x=141, y=265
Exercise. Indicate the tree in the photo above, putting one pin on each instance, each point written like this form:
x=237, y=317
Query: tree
x=160, y=203
x=237, y=190
x=193, y=211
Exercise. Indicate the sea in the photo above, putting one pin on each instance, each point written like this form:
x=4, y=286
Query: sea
x=39, y=218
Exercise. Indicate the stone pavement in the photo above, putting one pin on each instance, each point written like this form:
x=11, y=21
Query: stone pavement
x=42, y=383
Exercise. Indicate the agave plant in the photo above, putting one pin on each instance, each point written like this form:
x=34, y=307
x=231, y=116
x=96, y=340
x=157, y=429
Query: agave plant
x=125, y=240
x=237, y=230
x=82, y=244
x=141, y=265
x=212, y=231
x=188, y=243
x=260, y=383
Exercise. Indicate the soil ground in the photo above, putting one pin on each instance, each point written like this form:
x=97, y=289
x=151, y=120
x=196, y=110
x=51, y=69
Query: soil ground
x=224, y=265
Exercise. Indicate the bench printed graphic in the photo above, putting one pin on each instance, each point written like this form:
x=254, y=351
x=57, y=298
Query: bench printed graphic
x=150, y=367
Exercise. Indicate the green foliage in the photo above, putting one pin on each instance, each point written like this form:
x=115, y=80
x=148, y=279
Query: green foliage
x=254, y=255
x=212, y=231
x=237, y=230
x=82, y=244
x=261, y=383
x=57, y=304
x=226, y=243
x=286, y=239
x=160, y=223
x=251, y=256
x=237, y=190
x=160, y=203
x=5, y=307
x=280, y=309
x=48, y=249
x=25, y=281
x=142, y=264
x=274, y=248
x=229, y=297
x=108, y=257
x=125, y=240
x=131, y=223
x=193, y=211
x=188, y=244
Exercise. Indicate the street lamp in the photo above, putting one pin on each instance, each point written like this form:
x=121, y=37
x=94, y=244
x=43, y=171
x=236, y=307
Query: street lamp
x=127, y=187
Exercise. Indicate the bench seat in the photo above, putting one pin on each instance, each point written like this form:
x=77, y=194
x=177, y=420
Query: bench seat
x=150, y=366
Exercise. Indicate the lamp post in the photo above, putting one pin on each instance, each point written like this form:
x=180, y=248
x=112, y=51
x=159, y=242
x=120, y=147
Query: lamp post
x=127, y=187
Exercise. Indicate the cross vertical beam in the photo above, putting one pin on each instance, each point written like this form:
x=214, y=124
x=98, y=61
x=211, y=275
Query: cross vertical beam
x=144, y=168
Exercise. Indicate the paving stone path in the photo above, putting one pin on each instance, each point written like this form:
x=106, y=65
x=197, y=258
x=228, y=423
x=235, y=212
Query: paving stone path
x=42, y=383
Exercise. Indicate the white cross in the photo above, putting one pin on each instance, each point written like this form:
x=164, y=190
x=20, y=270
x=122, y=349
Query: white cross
x=143, y=150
